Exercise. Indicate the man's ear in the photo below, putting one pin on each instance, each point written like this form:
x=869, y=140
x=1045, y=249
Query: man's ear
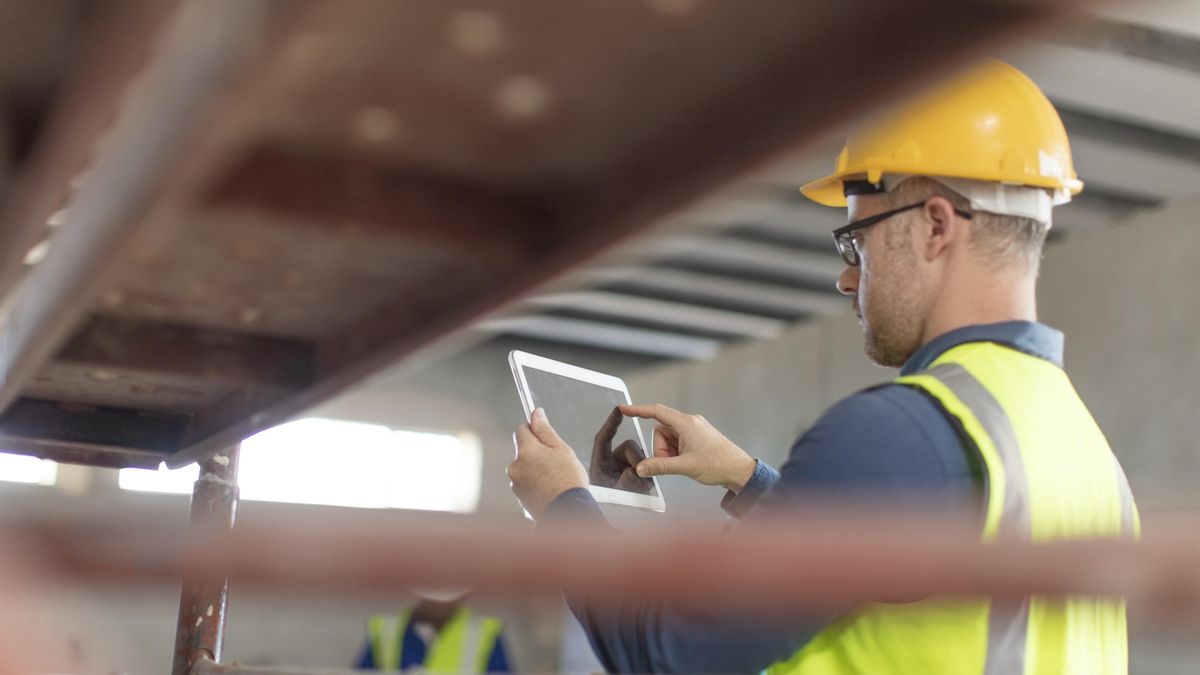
x=942, y=228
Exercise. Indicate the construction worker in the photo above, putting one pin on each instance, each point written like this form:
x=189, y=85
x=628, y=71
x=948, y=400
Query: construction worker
x=949, y=199
x=439, y=635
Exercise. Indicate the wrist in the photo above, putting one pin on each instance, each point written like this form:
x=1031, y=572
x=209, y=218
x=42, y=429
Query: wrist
x=741, y=473
x=552, y=494
x=545, y=502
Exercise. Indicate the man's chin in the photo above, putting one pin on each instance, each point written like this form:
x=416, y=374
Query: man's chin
x=881, y=356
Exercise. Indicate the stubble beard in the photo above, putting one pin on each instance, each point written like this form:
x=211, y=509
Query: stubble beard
x=884, y=349
x=892, y=317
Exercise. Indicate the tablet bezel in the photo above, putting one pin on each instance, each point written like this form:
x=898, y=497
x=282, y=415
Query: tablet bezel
x=519, y=361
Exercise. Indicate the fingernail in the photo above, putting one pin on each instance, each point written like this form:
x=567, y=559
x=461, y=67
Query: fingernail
x=641, y=471
x=539, y=414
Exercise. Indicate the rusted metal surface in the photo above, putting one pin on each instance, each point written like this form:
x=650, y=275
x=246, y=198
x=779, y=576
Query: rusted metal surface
x=107, y=47
x=168, y=368
x=85, y=424
x=589, y=213
x=821, y=559
x=356, y=180
x=202, y=50
x=205, y=591
x=90, y=454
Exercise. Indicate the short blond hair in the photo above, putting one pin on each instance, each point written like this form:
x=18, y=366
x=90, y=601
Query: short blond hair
x=1004, y=240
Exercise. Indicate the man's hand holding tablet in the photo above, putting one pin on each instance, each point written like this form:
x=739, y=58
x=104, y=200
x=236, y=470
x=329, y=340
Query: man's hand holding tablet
x=685, y=445
x=545, y=466
x=583, y=406
x=598, y=444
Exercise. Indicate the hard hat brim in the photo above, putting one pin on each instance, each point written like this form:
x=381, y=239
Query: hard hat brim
x=827, y=191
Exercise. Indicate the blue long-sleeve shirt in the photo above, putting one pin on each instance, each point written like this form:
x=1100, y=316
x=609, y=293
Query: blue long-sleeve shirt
x=890, y=442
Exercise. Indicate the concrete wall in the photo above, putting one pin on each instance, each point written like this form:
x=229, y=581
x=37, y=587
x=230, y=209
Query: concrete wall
x=1127, y=298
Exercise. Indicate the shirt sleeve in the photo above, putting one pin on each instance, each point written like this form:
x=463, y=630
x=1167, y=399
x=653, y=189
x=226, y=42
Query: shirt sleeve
x=736, y=504
x=890, y=442
x=651, y=636
x=891, y=445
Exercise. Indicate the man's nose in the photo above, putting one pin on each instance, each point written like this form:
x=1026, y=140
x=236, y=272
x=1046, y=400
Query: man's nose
x=847, y=282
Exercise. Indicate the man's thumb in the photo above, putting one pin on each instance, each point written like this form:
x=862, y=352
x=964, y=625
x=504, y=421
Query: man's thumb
x=661, y=466
x=542, y=429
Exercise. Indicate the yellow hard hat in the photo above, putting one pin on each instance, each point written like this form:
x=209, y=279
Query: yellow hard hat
x=989, y=124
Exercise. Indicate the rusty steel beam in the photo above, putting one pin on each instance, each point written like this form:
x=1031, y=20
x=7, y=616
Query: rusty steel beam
x=700, y=154
x=120, y=41
x=825, y=558
x=67, y=452
x=202, y=56
x=195, y=128
x=478, y=224
x=117, y=344
x=204, y=594
x=35, y=421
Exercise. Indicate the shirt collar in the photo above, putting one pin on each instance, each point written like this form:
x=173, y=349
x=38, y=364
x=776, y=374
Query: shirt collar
x=1035, y=339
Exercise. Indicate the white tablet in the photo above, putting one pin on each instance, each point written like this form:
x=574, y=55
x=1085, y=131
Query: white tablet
x=582, y=405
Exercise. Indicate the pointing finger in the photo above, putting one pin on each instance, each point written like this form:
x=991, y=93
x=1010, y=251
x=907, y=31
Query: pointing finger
x=655, y=411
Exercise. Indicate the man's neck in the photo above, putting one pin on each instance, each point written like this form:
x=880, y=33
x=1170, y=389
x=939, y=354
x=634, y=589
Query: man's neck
x=985, y=300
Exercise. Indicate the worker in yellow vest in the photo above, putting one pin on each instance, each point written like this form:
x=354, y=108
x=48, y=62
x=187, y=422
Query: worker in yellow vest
x=439, y=635
x=949, y=198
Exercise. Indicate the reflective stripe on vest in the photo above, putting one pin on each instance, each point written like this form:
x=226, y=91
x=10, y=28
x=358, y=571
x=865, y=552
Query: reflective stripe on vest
x=1006, y=623
x=1002, y=398
x=464, y=644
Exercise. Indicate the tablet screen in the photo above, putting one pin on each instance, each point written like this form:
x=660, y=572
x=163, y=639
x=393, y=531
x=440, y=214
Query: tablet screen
x=585, y=416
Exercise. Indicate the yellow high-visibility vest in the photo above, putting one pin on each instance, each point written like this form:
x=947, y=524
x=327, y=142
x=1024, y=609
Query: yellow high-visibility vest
x=1050, y=475
x=463, y=645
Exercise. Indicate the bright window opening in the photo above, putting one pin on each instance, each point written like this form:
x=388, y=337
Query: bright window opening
x=25, y=469
x=338, y=463
x=177, y=481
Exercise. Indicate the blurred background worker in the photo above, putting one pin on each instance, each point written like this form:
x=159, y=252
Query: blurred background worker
x=949, y=198
x=441, y=634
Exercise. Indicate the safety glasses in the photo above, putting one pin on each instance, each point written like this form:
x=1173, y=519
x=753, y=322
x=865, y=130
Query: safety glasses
x=843, y=237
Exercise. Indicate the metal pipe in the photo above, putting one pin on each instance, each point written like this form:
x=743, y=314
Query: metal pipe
x=822, y=557
x=205, y=590
x=206, y=666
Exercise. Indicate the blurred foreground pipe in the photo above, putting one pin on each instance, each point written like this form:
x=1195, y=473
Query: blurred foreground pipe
x=210, y=667
x=824, y=558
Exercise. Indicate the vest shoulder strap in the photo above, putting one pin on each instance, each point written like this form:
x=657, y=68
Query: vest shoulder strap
x=385, y=633
x=986, y=426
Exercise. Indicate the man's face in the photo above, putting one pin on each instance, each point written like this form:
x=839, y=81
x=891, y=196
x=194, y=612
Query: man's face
x=890, y=286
